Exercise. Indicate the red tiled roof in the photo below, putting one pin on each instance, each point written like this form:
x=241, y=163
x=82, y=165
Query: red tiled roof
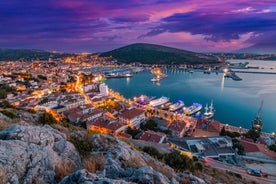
x=214, y=126
x=249, y=146
x=132, y=113
x=152, y=136
x=177, y=126
x=110, y=125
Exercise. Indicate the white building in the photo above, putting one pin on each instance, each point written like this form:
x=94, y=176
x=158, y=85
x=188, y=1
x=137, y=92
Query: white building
x=103, y=89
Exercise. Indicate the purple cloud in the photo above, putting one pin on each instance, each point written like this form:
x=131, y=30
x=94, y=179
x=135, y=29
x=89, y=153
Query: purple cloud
x=216, y=27
x=70, y=25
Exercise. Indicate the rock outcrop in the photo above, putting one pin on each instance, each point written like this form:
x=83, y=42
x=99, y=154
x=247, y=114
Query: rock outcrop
x=85, y=177
x=123, y=161
x=30, y=154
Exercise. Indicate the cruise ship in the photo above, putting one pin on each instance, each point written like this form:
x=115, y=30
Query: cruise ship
x=195, y=107
x=159, y=101
x=174, y=107
x=209, y=111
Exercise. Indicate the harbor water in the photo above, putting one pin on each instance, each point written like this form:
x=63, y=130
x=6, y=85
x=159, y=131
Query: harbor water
x=235, y=102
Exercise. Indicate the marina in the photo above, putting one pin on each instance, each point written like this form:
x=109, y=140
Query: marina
x=236, y=102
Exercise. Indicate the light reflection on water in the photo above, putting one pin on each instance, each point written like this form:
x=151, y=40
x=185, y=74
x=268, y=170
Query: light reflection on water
x=236, y=102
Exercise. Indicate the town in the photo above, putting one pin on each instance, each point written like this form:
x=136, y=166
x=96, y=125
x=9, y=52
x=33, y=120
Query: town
x=71, y=90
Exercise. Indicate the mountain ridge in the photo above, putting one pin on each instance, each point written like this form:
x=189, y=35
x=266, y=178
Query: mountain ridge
x=157, y=54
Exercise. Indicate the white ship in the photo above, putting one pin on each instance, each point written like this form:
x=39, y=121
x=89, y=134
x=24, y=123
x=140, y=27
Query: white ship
x=174, y=107
x=195, y=107
x=159, y=101
x=209, y=111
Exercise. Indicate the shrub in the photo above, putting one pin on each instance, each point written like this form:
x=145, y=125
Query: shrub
x=149, y=125
x=177, y=161
x=5, y=104
x=8, y=114
x=272, y=147
x=46, y=118
x=82, y=144
x=63, y=169
x=198, y=166
x=133, y=132
x=94, y=163
x=152, y=152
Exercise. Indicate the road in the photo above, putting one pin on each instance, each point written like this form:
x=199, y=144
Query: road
x=238, y=170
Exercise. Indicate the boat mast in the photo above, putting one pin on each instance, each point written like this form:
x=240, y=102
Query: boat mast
x=211, y=106
x=260, y=109
x=206, y=109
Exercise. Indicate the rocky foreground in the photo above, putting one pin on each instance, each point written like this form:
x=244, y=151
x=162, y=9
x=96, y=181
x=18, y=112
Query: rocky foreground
x=34, y=154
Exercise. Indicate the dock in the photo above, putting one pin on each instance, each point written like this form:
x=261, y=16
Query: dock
x=232, y=74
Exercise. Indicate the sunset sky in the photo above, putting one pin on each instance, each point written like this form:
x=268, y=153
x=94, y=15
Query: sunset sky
x=101, y=25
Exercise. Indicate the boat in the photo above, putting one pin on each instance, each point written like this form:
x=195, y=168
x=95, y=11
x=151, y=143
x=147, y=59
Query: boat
x=159, y=101
x=166, y=106
x=209, y=111
x=257, y=122
x=154, y=80
x=143, y=99
x=174, y=107
x=195, y=107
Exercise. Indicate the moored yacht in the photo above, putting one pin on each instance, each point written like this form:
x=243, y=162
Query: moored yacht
x=174, y=107
x=159, y=101
x=195, y=107
x=209, y=111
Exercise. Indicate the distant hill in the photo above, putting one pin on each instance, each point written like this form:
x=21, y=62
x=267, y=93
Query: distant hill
x=16, y=54
x=260, y=48
x=157, y=54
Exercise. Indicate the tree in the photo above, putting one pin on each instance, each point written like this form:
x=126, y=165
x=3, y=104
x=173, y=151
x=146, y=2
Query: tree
x=239, y=146
x=149, y=125
x=46, y=118
x=272, y=147
x=222, y=132
x=253, y=134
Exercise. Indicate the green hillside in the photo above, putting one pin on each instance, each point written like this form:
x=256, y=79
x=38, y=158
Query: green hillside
x=157, y=54
x=16, y=54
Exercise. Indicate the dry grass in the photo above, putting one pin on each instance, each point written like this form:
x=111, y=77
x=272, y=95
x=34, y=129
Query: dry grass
x=164, y=170
x=94, y=163
x=134, y=162
x=4, y=125
x=64, y=169
x=3, y=175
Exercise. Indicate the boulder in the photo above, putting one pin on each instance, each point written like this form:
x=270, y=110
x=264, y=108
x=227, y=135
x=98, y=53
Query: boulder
x=31, y=154
x=147, y=175
x=85, y=177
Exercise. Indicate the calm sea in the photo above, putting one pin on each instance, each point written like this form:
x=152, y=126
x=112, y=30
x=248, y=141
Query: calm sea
x=235, y=102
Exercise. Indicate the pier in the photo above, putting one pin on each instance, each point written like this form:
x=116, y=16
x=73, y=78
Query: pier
x=232, y=74
x=256, y=72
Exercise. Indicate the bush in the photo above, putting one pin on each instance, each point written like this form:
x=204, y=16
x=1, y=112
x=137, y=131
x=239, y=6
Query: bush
x=149, y=125
x=8, y=114
x=152, y=152
x=63, y=169
x=5, y=104
x=133, y=132
x=272, y=147
x=178, y=162
x=94, y=163
x=46, y=118
x=198, y=166
x=83, y=145
x=253, y=134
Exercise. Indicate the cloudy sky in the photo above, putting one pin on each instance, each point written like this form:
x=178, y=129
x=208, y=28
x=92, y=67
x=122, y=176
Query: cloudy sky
x=101, y=25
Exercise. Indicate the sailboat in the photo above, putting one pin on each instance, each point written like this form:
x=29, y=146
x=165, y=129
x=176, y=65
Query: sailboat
x=257, y=122
x=209, y=111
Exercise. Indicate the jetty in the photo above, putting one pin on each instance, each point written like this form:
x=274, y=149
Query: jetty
x=232, y=74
